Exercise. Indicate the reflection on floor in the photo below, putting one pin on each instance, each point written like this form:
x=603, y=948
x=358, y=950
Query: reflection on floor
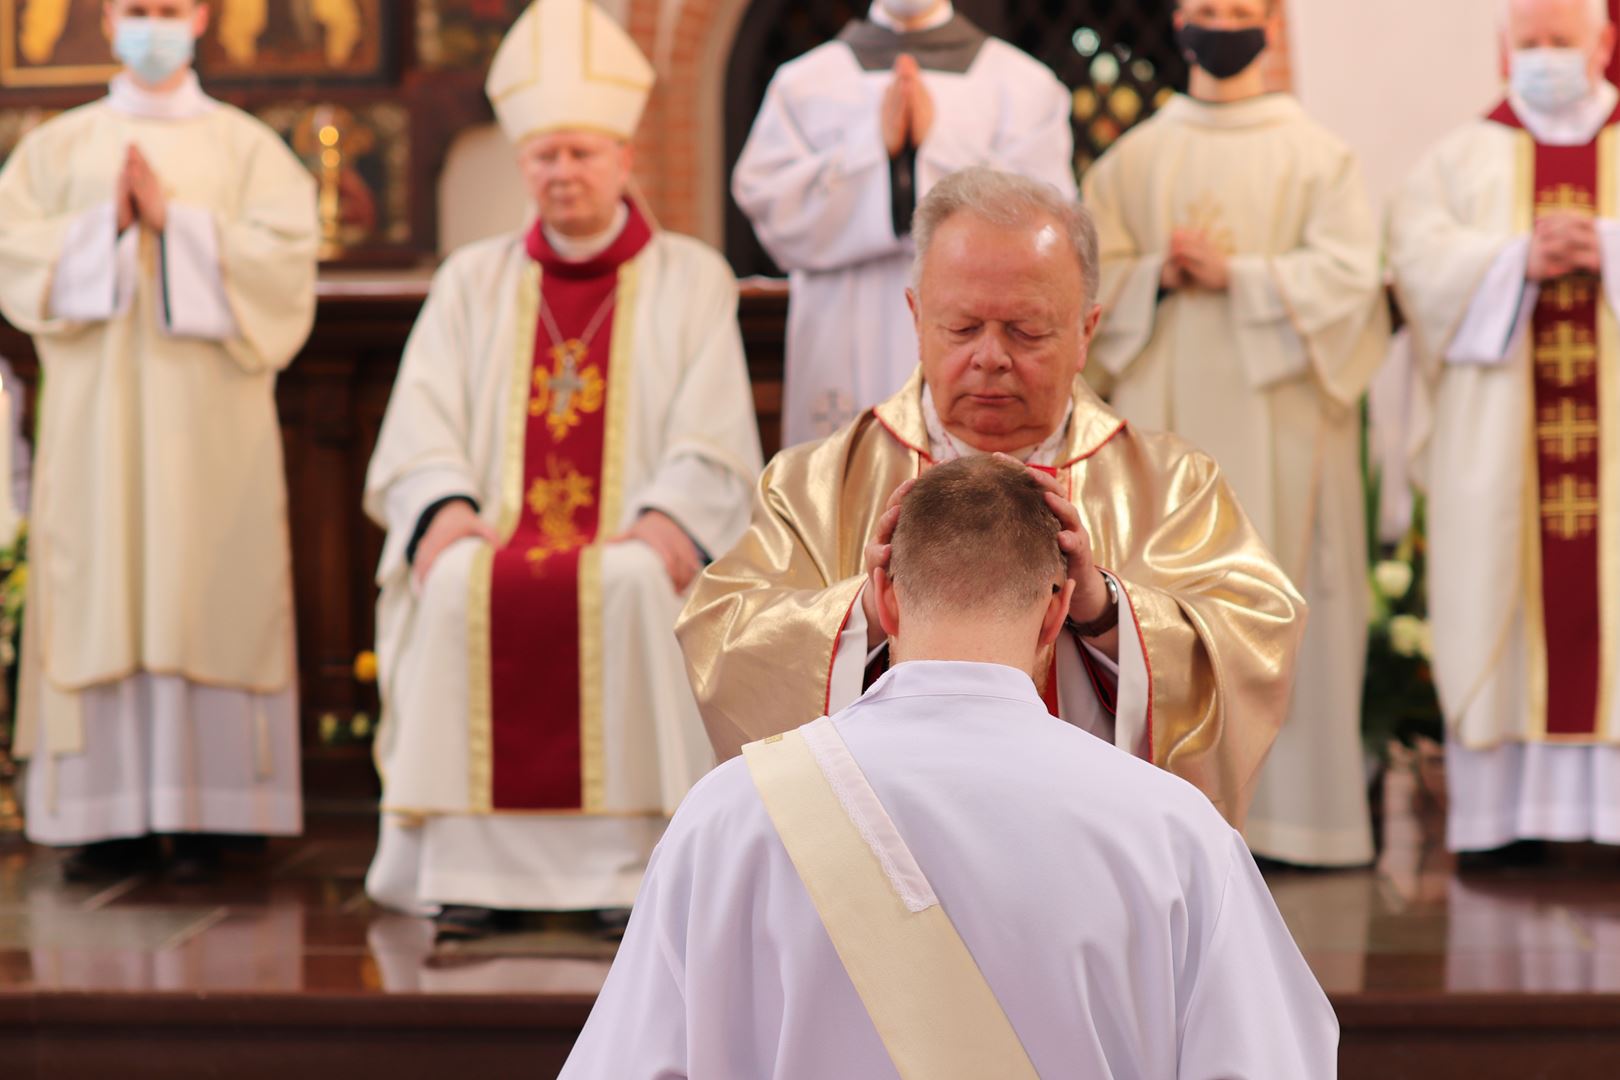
x=297, y=920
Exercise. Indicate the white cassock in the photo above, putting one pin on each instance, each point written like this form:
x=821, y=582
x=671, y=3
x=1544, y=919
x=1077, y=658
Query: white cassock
x=688, y=446
x=816, y=181
x=158, y=679
x=1265, y=378
x=1459, y=248
x=1120, y=922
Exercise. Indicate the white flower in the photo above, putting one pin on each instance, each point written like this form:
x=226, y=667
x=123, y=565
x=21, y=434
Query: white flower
x=1393, y=578
x=1409, y=635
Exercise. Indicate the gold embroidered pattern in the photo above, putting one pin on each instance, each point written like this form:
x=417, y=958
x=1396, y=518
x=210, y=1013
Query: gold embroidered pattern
x=1568, y=432
x=1207, y=216
x=1569, y=507
x=1565, y=199
x=1566, y=354
x=570, y=389
x=1568, y=292
x=555, y=499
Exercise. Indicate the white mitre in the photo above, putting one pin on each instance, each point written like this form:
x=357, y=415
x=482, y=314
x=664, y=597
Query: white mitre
x=566, y=64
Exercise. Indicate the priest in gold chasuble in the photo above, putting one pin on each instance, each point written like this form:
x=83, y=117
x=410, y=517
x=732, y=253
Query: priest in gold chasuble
x=1504, y=244
x=570, y=437
x=1183, y=630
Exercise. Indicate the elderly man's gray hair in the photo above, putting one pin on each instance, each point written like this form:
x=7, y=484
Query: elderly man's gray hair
x=1007, y=200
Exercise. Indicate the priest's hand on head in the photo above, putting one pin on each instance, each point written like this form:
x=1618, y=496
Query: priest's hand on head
x=895, y=112
x=455, y=521
x=1091, y=597
x=877, y=558
x=146, y=191
x=681, y=558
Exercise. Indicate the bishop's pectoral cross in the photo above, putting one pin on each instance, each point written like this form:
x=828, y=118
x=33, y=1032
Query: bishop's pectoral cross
x=568, y=389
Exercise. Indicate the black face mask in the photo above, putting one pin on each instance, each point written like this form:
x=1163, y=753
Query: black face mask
x=1222, y=53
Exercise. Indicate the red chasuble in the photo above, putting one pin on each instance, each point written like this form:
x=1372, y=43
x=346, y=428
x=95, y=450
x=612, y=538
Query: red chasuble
x=1574, y=350
x=540, y=585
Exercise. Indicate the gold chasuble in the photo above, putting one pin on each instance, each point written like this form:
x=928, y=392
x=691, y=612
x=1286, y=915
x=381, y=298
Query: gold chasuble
x=1571, y=519
x=1218, y=621
x=534, y=616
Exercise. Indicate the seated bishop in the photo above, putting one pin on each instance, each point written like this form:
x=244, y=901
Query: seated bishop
x=570, y=438
x=1181, y=638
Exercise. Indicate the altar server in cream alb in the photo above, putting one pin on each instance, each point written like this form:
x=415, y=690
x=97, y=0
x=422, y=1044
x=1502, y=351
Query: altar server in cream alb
x=160, y=247
x=572, y=435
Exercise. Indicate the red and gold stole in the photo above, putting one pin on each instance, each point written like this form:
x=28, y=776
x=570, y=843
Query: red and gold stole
x=534, y=618
x=1572, y=497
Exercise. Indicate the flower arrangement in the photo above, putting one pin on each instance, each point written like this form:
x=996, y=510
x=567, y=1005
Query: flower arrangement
x=1399, y=703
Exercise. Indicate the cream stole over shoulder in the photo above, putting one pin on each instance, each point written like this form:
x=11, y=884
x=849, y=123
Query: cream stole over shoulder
x=933, y=1009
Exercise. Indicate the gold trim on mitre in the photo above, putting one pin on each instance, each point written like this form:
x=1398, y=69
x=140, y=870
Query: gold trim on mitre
x=566, y=65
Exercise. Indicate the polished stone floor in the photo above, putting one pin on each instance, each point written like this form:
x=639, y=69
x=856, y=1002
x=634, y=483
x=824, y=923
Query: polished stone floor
x=296, y=920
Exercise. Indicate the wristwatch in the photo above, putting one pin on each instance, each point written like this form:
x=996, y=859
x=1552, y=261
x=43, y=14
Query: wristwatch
x=1107, y=620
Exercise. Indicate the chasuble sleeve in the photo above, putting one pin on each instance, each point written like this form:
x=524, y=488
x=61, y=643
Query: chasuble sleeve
x=814, y=178
x=267, y=254
x=761, y=627
x=34, y=233
x=1438, y=257
x=711, y=452
x=422, y=454
x=1219, y=621
x=1329, y=291
x=1129, y=292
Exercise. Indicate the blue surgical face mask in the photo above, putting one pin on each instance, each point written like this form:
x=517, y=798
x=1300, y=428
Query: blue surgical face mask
x=1550, y=80
x=154, y=49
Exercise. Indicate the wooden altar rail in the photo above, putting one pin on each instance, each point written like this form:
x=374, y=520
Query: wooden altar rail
x=331, y=401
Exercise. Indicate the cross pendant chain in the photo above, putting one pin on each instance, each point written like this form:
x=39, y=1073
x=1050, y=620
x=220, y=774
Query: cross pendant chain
x=591, y=329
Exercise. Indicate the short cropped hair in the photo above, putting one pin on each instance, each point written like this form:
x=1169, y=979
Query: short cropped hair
x=1007, y=200
x=975, y=536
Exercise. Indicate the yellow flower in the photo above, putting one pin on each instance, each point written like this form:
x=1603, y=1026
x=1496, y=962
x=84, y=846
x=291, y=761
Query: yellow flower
x=365, y=667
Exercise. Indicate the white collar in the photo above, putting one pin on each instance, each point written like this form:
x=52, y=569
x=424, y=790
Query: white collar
x=943, y=446
x=877, y=16
x=584, y=249
x=1575, y=126
x=185, y=102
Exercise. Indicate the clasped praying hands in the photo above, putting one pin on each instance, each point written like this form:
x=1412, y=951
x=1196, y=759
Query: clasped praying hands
x=140, y=194
x=1565, y=243
x=908, y=108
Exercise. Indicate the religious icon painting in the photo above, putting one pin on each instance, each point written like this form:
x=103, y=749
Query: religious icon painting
x=53, y=43
x=462, y=35
x=360, y=156
x=304, y=40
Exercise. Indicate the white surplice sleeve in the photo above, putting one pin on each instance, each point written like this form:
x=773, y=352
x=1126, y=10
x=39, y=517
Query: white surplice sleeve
x=1033, y=135
x=1609, y=246
x=1319, y=307
x=1254, y=1009
x=637, y=1029
x=1499, y=311
x=814, y=174
x=194, y=302
x=95, y=277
